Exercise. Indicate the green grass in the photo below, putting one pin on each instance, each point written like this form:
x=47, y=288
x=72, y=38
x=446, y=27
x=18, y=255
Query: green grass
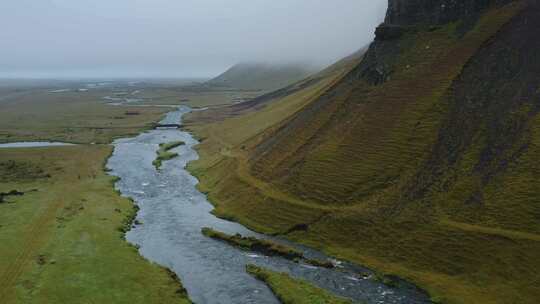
x=163, y=153
x=171, y=145
x=222, y=170
x=61, y=243
x=293, y=291
x=260, y=76
x=30, y=114
x=78, y=117
x=196, y=96
x=65, y=242
x=265, y=247
x=253, y=244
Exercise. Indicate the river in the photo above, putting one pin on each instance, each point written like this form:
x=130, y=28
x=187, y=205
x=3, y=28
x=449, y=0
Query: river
x=172, y=213
x=33, y=144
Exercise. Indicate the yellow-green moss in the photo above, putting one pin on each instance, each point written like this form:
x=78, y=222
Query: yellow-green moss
x=293, y=291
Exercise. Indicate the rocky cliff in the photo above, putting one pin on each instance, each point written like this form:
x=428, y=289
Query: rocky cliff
x=412, y=15
x=436, y=12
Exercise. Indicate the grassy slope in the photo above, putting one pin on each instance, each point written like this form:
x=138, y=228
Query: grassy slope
x=260, y=76
x=222, y=150
x=62, y=244
x=357, y=159
x=292, y=291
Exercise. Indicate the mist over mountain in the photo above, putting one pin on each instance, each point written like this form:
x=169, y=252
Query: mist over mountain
x=168, y=38
x=262, y=76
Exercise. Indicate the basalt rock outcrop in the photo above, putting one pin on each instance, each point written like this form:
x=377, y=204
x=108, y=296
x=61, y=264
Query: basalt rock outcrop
x=433, y=12
x=408, y=15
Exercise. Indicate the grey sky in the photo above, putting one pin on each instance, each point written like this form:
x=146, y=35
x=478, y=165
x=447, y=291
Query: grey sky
x=176, y=38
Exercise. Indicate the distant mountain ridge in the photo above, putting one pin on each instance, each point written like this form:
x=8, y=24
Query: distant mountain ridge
x=262, y=76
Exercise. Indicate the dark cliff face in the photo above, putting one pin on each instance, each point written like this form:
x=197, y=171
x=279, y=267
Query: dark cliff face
x=497, y=98
x=435, y=12
x=410, y=15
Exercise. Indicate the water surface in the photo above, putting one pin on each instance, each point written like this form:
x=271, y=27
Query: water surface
x=34, y=144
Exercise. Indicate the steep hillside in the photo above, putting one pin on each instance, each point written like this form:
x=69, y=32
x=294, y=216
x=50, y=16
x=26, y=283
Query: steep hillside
x=314, y=83
x=222, y=167
x=421, y=161
x=261, y=76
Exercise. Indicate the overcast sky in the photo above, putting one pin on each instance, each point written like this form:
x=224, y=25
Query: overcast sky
x=176, y=38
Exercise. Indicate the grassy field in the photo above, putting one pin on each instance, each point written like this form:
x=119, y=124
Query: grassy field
x=293, y=291
x=196, y=97
x=34, y=112
x=423, y=176
x=62, y=242
x=78, y=117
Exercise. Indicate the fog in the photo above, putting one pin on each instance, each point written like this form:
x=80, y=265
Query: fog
x=176, y=38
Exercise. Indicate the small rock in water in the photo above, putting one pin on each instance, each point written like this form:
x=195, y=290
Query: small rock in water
x=336, y=263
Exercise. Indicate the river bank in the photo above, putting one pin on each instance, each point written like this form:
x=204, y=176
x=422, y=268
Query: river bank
x=64, y=232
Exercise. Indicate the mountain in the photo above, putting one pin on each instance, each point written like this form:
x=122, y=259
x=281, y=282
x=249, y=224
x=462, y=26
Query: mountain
x=261, y=76
x=421, y=159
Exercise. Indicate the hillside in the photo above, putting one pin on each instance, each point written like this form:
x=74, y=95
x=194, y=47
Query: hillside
x=261, y=76
x=420, y=160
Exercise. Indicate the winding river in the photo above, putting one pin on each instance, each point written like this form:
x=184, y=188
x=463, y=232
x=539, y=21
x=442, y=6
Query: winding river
x=172, y=213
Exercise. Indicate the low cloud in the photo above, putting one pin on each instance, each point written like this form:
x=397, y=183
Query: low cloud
x=176, y=38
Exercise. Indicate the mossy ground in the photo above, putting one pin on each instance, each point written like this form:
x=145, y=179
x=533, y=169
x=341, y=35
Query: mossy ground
x=293, y=291
x=266, y=247
x=62, y=244
x=195, y=96
x=254, y=244
x=171, y=145
x=163, y=153
x=77, y=117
